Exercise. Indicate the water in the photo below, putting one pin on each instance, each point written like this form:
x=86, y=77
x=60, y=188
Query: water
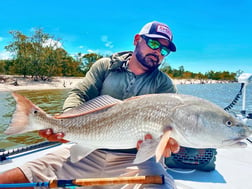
x=221, y=94
x=51, y=101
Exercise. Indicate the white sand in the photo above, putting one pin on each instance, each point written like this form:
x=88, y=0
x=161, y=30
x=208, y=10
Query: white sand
x=7, y=83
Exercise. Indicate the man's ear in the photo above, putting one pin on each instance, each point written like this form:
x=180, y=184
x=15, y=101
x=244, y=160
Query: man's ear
x=136, y=38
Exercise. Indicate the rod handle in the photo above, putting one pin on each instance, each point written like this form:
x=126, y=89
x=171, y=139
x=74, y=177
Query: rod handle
x=156, y=179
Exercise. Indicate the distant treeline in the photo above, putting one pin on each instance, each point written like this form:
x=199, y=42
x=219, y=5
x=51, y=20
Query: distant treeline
x=181, y=73
x=41, y=57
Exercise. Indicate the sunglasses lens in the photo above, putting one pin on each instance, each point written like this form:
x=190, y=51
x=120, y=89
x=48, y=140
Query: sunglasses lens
x=153, y=44
x=165, y=51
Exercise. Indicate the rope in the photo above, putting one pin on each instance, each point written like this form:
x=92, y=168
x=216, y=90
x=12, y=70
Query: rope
x=230, y=106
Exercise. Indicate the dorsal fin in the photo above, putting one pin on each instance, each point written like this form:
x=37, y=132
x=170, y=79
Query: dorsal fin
x=136, y=97
x=93, y=105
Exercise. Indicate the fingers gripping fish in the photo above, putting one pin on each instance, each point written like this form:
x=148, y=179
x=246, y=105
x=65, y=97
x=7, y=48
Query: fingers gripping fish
x=108, y=123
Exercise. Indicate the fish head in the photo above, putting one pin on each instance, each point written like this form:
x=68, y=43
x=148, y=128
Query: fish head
x=222, y=130
x=203, y=124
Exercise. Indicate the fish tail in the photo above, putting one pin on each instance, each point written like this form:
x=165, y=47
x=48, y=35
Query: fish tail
x=20, y=121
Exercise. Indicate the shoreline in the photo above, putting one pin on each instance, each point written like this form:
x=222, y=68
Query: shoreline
x=13, y=83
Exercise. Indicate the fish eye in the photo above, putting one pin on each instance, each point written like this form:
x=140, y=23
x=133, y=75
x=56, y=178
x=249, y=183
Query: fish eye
x=229, y=123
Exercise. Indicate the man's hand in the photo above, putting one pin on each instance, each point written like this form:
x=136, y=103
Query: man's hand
x=51, y=136
x=171, y=147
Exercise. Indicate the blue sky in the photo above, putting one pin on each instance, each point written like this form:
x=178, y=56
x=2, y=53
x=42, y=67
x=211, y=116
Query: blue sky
x=209, y=34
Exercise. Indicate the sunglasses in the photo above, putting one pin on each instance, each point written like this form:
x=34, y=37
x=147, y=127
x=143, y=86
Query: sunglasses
x=154, y=44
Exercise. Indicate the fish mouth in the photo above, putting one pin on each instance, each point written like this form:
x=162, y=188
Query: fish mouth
x=237, y=142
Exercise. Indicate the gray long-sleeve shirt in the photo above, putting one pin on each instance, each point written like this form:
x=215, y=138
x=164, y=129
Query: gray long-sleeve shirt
x=111, y=76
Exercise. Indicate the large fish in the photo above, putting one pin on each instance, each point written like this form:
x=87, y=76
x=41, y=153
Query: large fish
x=105, y=122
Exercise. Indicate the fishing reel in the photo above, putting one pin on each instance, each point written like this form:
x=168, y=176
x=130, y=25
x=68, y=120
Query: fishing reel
x=191, y=158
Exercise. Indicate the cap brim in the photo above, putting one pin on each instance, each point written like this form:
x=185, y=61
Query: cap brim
x=172, y=46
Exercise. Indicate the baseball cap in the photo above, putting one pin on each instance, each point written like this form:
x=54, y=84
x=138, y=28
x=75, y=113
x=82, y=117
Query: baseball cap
x=156, y=29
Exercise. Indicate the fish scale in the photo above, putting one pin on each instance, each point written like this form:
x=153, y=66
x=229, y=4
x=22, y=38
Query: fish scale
x=114, y=124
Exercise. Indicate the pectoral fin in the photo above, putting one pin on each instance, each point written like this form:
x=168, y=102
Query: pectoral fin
x=162, y=144
x=146, y=151
x=78, y=151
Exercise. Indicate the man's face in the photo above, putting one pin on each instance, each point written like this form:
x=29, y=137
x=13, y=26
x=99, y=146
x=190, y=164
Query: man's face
x=148, y=57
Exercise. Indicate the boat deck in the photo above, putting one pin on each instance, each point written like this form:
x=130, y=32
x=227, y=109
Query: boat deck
x=233, y=170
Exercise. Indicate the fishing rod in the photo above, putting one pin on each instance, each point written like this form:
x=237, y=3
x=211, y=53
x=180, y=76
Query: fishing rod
x=18, y=152
x=154, y=179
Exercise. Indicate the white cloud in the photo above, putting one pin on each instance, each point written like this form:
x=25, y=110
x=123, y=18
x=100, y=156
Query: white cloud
x=108, y=43
x=52, y=43
x=4, y=55
x=90, y=51
x=33, y=29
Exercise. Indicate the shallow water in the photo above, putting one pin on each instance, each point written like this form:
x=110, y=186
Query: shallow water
x=50, y=101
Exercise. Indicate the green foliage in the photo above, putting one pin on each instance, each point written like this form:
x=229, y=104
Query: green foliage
x=2, y=67
x=182, y=74
x=87, y=60
x=41, y=57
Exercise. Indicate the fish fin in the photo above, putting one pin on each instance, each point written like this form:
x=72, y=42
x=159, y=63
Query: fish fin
x=136, y=97
x=93, y=105
x=162, y=144
x=20, y=119
x=146, y=151
x=79, y=151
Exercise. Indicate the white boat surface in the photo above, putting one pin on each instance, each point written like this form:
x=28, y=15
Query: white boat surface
x=232, y=171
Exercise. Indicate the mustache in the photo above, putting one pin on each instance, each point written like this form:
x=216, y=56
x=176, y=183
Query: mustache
x=152, y=54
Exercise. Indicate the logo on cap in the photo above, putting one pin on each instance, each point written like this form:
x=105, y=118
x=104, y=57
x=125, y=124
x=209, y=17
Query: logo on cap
x=165, y=30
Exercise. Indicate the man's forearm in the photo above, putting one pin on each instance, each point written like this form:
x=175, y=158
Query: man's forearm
x=13, y=176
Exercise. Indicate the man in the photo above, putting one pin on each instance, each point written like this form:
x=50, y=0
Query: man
x=121, y=76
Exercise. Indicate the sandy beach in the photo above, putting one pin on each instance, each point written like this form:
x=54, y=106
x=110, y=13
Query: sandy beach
x=13, y=83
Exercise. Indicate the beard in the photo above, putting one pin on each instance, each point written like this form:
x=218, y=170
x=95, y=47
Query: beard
x=149, y=61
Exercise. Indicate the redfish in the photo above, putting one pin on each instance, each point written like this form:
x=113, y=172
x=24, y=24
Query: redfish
x=108, y=123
